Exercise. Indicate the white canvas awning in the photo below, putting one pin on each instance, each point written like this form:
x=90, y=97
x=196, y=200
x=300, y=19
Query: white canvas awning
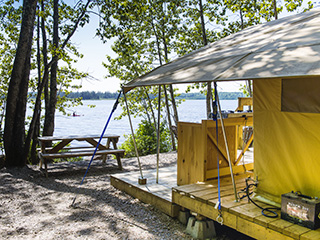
x=288, y=47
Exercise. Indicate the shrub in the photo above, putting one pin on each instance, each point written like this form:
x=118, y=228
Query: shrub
x=146, y=140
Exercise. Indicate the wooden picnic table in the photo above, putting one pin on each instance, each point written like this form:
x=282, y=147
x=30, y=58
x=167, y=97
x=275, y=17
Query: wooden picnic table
x=62, y=150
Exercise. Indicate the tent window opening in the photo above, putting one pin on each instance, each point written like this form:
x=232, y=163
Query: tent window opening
x=301, y=95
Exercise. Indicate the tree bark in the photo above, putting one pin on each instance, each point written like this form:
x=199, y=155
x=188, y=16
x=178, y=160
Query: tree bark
x=14, y=131
x=174, y=106
x=151, y=108
x=203, y=27
x=169, y=119
x=241, y=19
x=36, y=128
x=166, y=95
x=50, y=111
x=275, y=9
x=205, y=42
x=42, y=84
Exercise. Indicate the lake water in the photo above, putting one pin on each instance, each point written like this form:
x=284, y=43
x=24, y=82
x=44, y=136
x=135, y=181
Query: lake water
x=93, y=120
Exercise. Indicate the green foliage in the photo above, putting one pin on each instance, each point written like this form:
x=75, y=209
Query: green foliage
x=87, y=95
x=10, y=16
x=222, y=96
x=146, y=140
x=244, y=89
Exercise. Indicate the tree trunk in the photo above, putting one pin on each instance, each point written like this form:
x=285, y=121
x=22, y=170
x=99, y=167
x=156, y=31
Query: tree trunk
x=33, y=156
x=50, y=111
x=151, y=108
x=145, y=106
x=275, y=9
x=203, y=28
x=14, y=131
x=174, y=106
x=169, y=119
x=205, y=42
x=36, y=129
x=209, y=98
x=241, y=19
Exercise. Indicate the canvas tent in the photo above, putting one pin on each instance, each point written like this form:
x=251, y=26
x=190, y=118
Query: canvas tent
x=283, y=59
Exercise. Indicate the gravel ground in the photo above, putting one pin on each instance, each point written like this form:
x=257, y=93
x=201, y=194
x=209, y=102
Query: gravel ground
x=35, y=207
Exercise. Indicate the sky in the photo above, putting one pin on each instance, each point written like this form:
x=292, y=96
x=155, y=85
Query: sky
x=94, y=54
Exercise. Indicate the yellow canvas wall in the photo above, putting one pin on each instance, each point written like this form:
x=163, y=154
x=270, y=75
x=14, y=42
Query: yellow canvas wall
x=286, y=145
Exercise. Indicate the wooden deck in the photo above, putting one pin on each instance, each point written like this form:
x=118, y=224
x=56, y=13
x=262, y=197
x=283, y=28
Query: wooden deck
x=243, y=216
x=202, y=197
x=158, y=195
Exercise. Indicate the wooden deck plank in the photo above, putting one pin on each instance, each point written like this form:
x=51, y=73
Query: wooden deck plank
x=165, y=194
x=200, y=186
x=193, y=187
x=228, y=202
x=157, y=194
x=214, y=190
x=160, y=201
x=311, y=235
x=295, y=231
x=247, y=211
x=265, y=221
x=279, y=225
x=207, y=195
x=167, y=177
x=259, y=232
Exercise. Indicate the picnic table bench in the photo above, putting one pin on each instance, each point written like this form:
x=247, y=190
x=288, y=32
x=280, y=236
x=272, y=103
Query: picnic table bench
x=62, y=150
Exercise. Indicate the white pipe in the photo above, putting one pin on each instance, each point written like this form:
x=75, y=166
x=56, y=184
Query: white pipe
x=132, y=132
x=158, y=133
x=227, y=148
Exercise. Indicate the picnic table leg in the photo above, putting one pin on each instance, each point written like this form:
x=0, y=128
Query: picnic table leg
x=118, y=155
x=46, y=167
x=105, y=156
x=119, y=161
x=43, y=161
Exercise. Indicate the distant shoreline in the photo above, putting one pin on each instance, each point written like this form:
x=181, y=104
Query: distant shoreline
x=86, y=95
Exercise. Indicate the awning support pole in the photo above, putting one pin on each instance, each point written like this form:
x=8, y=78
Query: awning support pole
x=227, y=147
x=132, y=132
x=158, y=133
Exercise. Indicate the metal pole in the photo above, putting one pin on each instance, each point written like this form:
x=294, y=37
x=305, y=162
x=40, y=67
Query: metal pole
x=132, y=132
x=227, y=148
x=158, y=133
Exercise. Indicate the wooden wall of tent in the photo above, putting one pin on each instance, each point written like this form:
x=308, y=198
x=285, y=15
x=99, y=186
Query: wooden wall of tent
x=199, y=149
x=287, y=136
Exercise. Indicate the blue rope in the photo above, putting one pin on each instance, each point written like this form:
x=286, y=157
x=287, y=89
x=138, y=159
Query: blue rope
x=105, y=128
x=217, y=132
x=94, y=153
